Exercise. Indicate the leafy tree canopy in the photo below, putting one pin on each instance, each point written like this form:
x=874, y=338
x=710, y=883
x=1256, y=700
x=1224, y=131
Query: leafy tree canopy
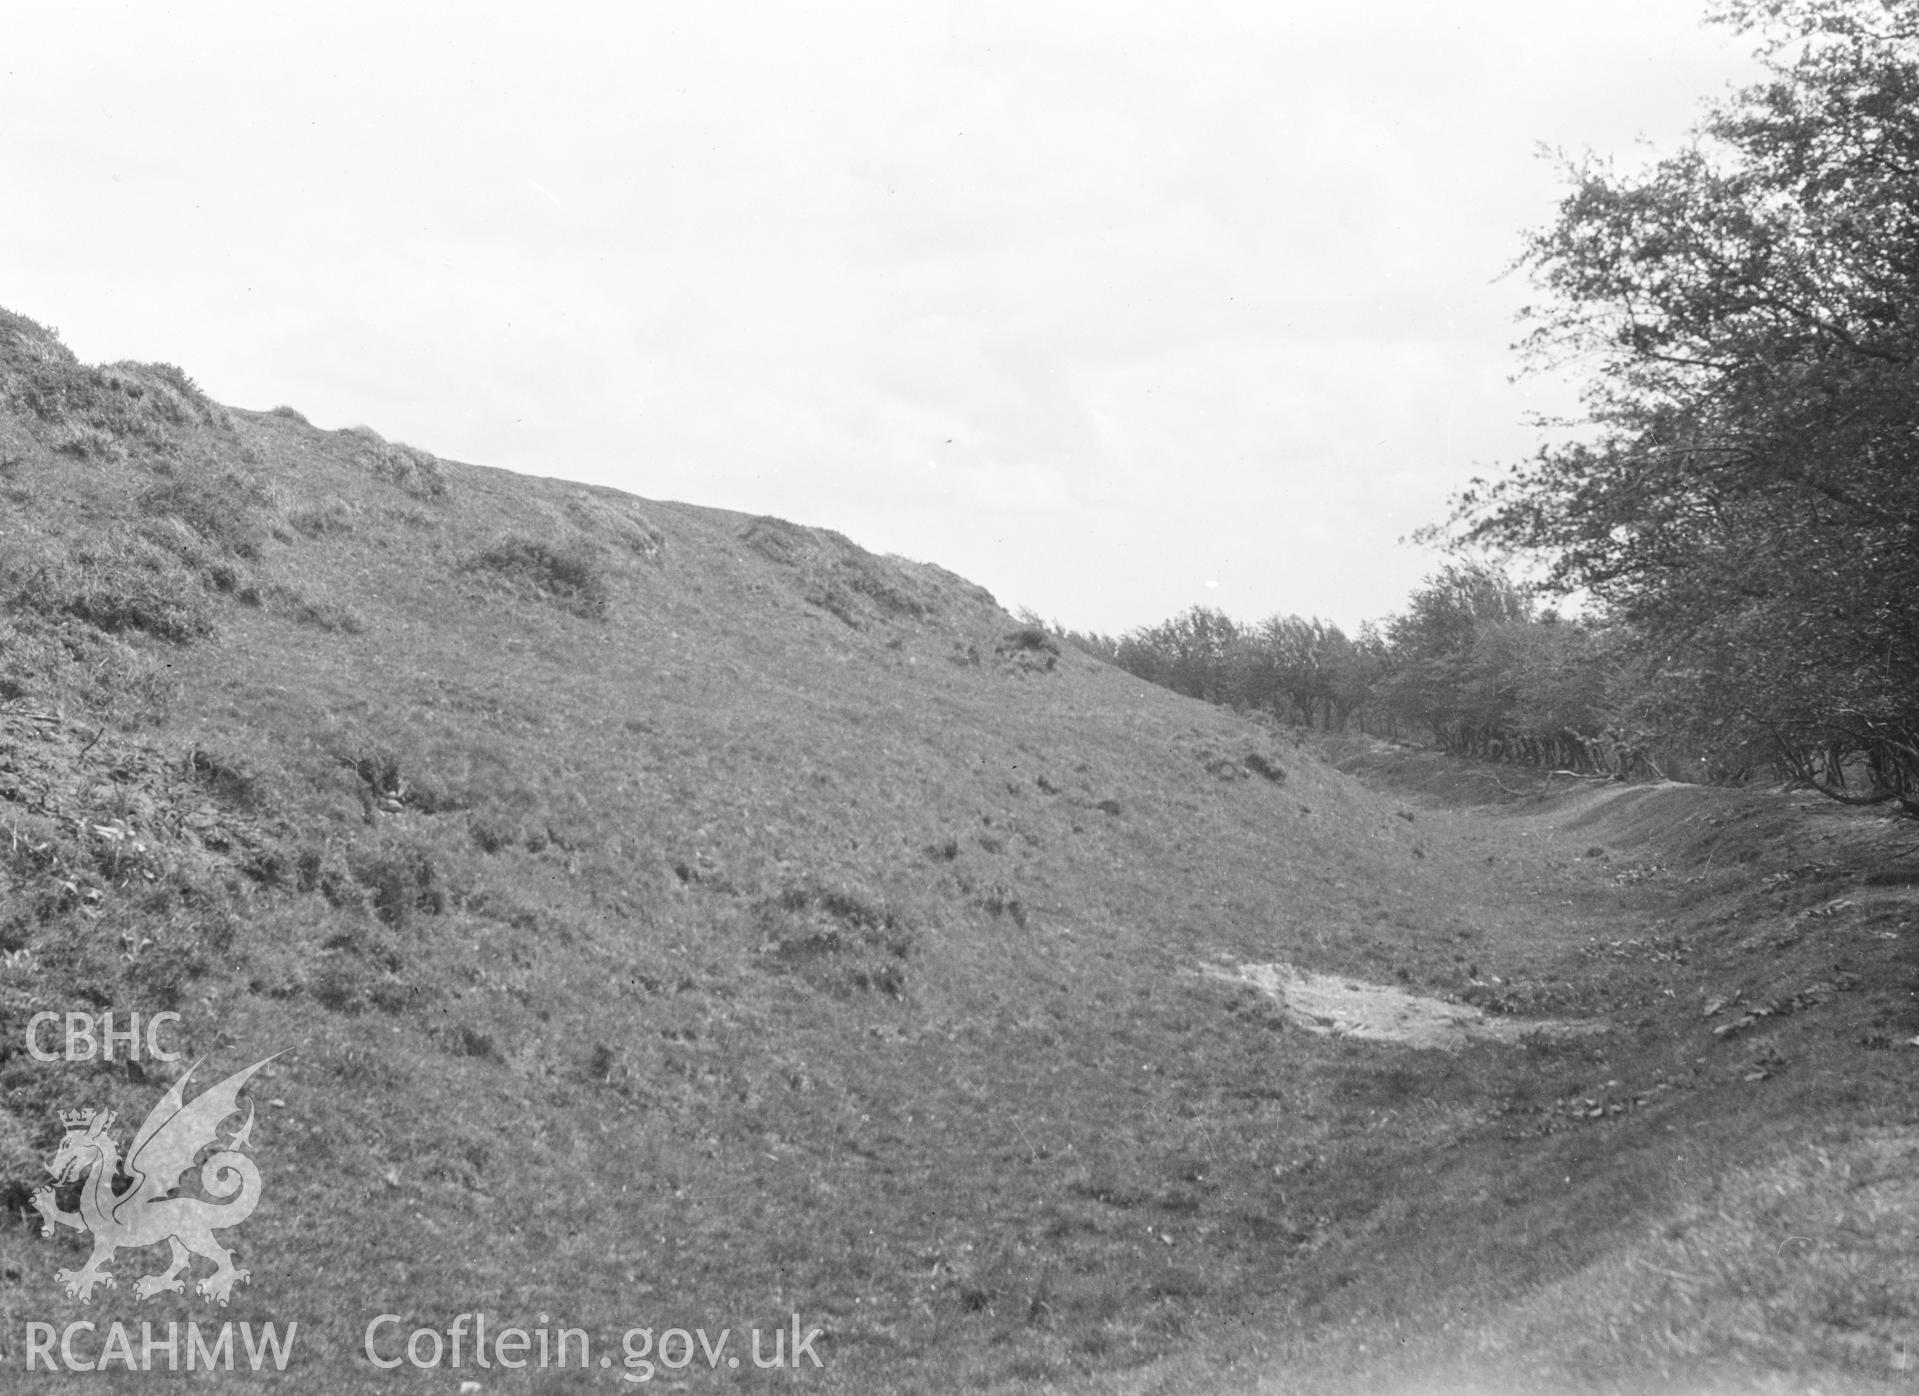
x=1747, y=489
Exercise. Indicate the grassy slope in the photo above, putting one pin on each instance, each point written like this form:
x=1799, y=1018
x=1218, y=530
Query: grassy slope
x=682, y=918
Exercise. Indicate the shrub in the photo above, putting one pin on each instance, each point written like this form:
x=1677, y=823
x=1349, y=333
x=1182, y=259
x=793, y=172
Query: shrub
x=490, y=835
x=1027, y=648
x=122, y=584
x=322, y=613
x=776, y=540
x=165, y=972
x=218, y=509
x=340, y=986
x=167, y=391
x=69, y=665
x=570, y=577
x=87, y=441
x=98, y=413
x=465, y=1040
x=402, y=879
x=1270, y=770
x=999, y=901
x=225, y=776
x=869, y=579
x=292, y=414
x=416, y=472
x=834, y=599
x=623, y=525
x=319, y=520
x=1029, y=639
x=839, y=938
x=378, y=770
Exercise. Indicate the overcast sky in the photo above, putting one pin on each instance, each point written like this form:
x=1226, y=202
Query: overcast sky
x=1111, y=307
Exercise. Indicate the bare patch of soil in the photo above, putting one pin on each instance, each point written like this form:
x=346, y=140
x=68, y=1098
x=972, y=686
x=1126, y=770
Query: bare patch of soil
x=1340, y=1006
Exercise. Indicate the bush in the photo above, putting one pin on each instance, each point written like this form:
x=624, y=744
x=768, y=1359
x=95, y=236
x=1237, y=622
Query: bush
x=319, y=520
x=121, y=585
x=872, y=583
x=218, y=509
x=1027, y=639
x=322, y=613
x=225, y=776
x=416, y=472
x=66, y=665
x=835, y=572
x=620, y=523
x=570, y=577
x=86, y=441
x=776, y=540
x=1268, y=770
x=98, y=413
x=402, y=878
x=1028, y=648
x=834, y=599
x=839, y=938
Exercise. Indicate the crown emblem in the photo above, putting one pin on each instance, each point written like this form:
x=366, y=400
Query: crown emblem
x=76, y=1119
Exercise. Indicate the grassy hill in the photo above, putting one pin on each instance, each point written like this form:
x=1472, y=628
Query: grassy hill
x=673, y=918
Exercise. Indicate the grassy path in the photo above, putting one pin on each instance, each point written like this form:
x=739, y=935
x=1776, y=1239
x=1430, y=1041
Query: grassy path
x=1695, y=1200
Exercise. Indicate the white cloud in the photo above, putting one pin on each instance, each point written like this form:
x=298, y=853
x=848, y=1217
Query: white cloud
x=1167, y=295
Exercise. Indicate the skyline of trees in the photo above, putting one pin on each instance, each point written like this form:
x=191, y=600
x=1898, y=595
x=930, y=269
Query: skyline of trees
x=1740, y=506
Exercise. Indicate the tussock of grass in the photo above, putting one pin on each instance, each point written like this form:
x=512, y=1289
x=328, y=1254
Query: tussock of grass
x=221, y=508
x=1265, y=768
x=836, y=575
x=104, y=413
x=416, y=472
x=121, y=585
x=776, y=540
x=840, y=938
x=333, y=516
x=1029, y=639
x=618, y=522
x=52, y=665
x=87, y=441
x=320, y=612
x=867, y=576
x=566, y=575
x=1027, y=649
x=402, y=877
x=228, y=777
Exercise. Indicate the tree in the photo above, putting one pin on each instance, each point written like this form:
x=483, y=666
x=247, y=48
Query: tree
x=1296, y=657
x=1305, y=670
x=1191, y=654
x=1746, y=493
x=1438, y=679
x=1359, y=671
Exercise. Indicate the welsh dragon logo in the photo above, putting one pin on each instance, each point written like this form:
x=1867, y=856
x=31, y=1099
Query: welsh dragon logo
x=149, y=1211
